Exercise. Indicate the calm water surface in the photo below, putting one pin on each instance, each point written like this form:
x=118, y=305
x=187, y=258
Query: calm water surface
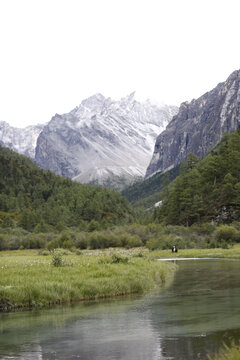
x=195, y=316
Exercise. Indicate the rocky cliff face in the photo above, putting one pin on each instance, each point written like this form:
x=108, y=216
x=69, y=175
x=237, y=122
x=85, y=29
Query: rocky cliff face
x=21, y=140
x=198, y=126
x=103, y=141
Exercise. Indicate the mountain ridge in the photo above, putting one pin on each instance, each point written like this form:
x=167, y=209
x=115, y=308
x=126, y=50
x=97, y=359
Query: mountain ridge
x=102, y=139
x=198, y=126
x=21, y=140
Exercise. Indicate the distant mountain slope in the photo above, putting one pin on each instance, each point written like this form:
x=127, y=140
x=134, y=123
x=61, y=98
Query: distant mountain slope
x=103, y=141
x=146, y=193
x=22, y=140
x=33, y=196
x=198, y=126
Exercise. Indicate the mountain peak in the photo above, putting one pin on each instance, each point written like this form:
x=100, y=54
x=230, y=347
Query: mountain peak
x=103, y=139
x=235, y=74
x=131, y=96
x=93, y=101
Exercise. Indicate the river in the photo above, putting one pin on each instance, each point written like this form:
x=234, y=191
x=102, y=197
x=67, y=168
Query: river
x=193, y=317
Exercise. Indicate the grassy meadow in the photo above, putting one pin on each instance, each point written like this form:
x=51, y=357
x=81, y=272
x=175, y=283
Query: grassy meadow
x=28, y=279
x=33, y=278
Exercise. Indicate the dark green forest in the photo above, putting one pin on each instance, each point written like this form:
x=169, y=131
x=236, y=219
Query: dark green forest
x=207, y=189
x=39, y=200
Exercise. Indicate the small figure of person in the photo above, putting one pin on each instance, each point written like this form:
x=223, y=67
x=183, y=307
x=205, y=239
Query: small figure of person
x=174, y=249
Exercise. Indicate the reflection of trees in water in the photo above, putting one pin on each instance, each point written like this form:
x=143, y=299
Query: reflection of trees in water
x=110, y=331
x=21, y=352
x=197, y=347
x=116, y=335
x=191, y=316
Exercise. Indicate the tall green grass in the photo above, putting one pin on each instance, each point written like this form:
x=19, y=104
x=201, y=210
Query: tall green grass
x=28, y=280
x=227, y=353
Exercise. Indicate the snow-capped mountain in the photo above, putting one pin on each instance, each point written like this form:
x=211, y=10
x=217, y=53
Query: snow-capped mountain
x=21, y=140
x=103, y=141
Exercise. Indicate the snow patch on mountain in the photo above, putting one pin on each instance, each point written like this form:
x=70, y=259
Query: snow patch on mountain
x=103, y=138
x=21, y=140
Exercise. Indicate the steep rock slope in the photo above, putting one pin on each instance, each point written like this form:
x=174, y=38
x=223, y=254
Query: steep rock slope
x=198, y=126
x=22, y=141
x=103, y=141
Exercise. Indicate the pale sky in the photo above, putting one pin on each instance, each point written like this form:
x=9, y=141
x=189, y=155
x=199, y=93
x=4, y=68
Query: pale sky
x=55, y=53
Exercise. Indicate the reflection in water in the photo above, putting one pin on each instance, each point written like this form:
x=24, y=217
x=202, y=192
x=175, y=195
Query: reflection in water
x=196, y=347
x=199, y=311
x=110, y=330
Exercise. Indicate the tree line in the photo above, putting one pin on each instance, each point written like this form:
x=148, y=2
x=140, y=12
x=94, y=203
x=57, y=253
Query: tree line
x=205, y=190
x=37, y=199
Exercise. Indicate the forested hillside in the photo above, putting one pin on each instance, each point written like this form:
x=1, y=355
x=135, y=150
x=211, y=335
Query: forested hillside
x=34, y=198
x=205, y=190
x=145, y=193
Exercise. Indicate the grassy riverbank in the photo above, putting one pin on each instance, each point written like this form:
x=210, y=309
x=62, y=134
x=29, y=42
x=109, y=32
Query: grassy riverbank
x=231, y=253
x=28, y=279
x=227, y=353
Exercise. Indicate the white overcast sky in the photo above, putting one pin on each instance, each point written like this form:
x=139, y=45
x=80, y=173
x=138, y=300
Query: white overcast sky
x=55, y=53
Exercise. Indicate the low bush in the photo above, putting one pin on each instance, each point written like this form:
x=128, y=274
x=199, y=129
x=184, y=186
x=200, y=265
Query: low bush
x=116, y=259
x=154, y=236
x=44, y=252
x=113, y=258
x=168, y=241
x=133, y=241
x=57, y=257
x=226, y=233
x=81, y=241
x=53, y=244
x=68, y=244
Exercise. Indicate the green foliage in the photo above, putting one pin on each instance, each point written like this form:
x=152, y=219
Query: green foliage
x=205, y=190
x=57, y=257
x=116, y=259
x=153, y=236
x=227, y=233
x=93, y=226
x=134, y=241
x=203, y=229
x=53, y=244
x=40, y=201
x=113, y=258
x=227, y=353
x=44, y=252
x=42, y=227
x=167, y=241
x=81, y=241
x=68, y=244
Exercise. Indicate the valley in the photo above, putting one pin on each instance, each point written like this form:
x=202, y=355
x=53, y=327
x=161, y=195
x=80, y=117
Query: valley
x=67, y=235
